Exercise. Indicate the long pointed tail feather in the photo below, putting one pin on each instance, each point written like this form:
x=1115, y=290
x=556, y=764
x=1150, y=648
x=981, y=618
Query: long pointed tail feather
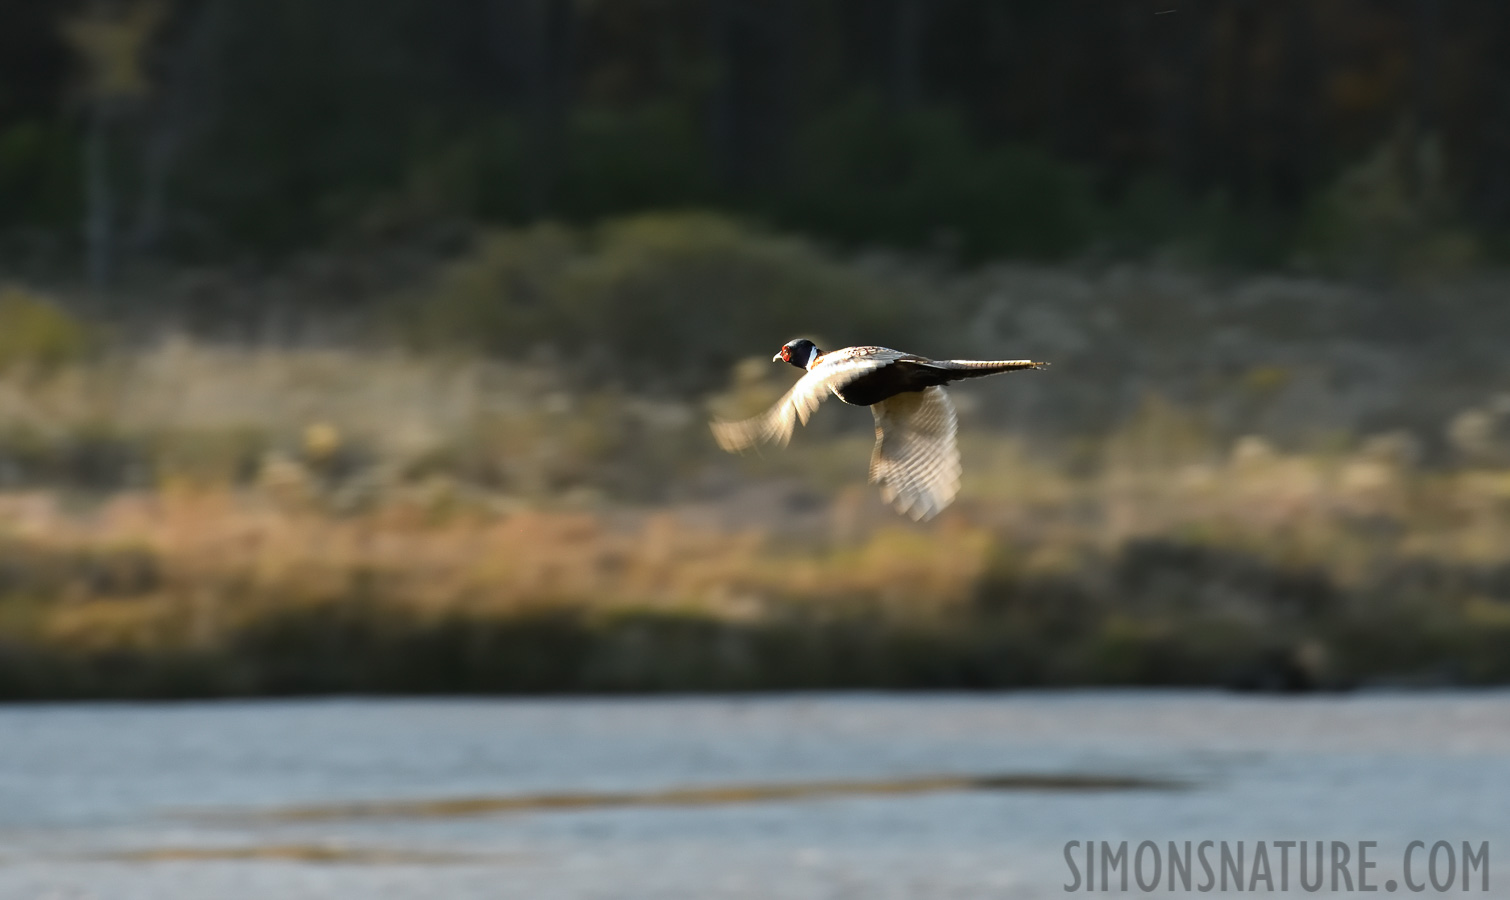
x=975, y=368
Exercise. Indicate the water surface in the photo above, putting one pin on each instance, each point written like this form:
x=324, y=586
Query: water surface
x=194, y=800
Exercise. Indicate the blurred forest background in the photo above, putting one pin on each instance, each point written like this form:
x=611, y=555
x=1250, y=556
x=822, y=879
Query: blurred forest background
x=370, y=345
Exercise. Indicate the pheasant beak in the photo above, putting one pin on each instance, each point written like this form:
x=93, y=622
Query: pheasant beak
x=784, y=356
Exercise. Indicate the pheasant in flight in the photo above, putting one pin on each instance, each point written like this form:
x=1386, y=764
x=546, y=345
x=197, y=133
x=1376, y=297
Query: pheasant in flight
x=916, y=460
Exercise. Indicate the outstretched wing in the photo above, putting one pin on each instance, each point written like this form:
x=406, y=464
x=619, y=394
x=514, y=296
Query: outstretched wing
x=916, y=460
x=776, y=425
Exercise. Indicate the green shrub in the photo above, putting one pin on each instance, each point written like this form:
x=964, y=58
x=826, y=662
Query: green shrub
x=916, y=178
x=669, y=300
x=37, y=334
x=628, y=160
x=1394, y=211
x=38, y=175
x=1154, y=216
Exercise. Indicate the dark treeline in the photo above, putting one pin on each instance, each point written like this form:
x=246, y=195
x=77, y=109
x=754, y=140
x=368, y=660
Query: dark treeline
x=207, y=129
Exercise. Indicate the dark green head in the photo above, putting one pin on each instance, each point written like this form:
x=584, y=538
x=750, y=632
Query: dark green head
x=799, y=352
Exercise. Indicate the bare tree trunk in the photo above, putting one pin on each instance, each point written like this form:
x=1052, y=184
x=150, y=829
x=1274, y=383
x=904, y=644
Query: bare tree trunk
x=1423, y=103
x=1489, y=193
x=902, y=67
x=548, y=98
x=754, y=45
x=99, y=212
x=723, y=114
x=182, y=109
x=532, y=44
x=1179, y=46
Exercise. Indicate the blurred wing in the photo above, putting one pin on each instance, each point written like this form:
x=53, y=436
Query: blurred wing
x=810, y=390
x=916, y=460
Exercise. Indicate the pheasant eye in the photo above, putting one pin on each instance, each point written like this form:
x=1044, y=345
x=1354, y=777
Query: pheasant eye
x=786, y=354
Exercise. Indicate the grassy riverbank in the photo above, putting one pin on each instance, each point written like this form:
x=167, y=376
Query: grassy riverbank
x=503, y=480
x=1265, y=570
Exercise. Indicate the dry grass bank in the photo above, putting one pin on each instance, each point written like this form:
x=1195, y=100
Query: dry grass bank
x=1260, y=568
x=185, y=517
